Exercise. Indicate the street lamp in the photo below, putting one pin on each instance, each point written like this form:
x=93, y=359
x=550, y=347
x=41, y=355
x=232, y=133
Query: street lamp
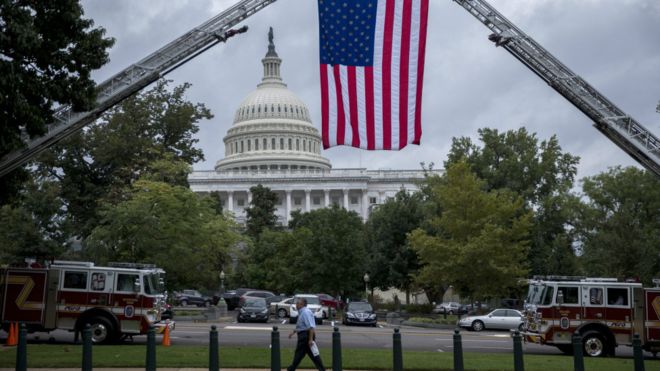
x=222, y=282
x=366, y=284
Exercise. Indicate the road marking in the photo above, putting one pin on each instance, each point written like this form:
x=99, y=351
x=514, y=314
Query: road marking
x=248, y=328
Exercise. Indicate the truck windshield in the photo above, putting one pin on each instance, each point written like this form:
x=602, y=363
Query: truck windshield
x=153, y=284
x=540, y=294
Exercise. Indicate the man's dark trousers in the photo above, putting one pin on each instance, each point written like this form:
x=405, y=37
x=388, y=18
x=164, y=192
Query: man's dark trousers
x=302, y=348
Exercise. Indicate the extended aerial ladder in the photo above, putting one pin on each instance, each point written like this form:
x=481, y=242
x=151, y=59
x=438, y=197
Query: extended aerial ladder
x=134, y=78
x=610, y=120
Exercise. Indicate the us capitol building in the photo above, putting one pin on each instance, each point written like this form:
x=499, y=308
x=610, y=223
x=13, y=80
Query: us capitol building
x=274, y=143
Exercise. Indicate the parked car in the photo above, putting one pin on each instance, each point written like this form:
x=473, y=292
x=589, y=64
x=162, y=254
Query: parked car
x=192, y=297
x=253, y=310
x=330, y=305
x=254, y=294
x=313, y=303
x=474, y=308
x=232, y=297
x=451, y=307
x=512, y=303
x=502, y=319
x=359, y=313
x=281, y=308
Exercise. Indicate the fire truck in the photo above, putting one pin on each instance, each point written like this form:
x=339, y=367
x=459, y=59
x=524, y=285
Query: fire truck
x=604, y=311
x=121, y=300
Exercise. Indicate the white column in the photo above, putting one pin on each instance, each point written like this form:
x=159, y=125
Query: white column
x=345, y=198
x=327, y=197
x=249, y=194
x=230, y=201
x=365, y=204
x=288, y=206
x=381, y=197
x=307, y=200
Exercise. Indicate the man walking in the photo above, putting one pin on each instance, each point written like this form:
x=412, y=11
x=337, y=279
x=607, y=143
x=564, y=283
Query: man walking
x=305, y=330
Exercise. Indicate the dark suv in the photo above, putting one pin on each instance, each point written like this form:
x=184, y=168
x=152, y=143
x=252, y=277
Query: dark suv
x=360, y=313
x=233, y=296
x=192, y=297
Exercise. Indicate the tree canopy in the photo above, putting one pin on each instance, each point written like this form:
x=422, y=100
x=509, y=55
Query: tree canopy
x=261, y=212
x=481, y=242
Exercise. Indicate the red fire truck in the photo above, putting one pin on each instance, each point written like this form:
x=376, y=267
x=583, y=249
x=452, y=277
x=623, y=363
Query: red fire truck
x=123, y=299
x=606, y=312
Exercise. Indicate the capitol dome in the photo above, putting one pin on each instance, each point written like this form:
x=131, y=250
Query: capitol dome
x=272, y=128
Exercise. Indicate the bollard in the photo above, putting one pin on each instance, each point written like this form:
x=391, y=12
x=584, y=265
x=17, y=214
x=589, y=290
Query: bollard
x=214, y=362
x=21, y=350
x=637, y=353
x=151, y=349
x=458, y=351
x=336, y=350
x=578, y=359
x=87, y=348
x=275, y=364
x=518, y=364
x=396, y=351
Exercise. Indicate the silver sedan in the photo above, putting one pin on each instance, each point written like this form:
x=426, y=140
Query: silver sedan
x=502, y=319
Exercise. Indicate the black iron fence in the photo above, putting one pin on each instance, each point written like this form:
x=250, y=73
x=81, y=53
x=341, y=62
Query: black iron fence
x=275, y=358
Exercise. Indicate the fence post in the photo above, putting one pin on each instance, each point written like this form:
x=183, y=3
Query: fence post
x=87, y=348
x=578, y=358
x=458, y=351
x=21, y=350
x=151, y=349
x=518, y=364
x=637, y=353
x=275, y=364
x=396, y=351
x=214, y=364
x=336, y=350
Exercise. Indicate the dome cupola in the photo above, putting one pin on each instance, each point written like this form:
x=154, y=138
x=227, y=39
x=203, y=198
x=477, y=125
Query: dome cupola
x=272, y=128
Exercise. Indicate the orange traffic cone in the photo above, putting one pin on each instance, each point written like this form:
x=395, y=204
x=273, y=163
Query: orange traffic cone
x=166, y=334
x=12, y=339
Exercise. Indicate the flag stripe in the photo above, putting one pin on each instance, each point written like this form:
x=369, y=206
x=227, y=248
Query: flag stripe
x=341, y=118
x=404, y=68
x=424, y=5
x=332, y=100
x=325, y=110
x=369, y=93
x=387, y=71
x=353, y=106
x=361, y=107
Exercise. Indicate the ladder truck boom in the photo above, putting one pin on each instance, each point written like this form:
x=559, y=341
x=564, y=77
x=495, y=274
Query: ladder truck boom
x=137, y=76
x=609, y=119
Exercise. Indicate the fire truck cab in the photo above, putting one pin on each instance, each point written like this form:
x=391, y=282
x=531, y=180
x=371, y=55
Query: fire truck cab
x=123, y=299
x=605, y=312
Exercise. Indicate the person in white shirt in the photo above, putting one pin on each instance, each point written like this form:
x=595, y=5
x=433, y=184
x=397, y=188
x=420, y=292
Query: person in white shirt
x=306, y=335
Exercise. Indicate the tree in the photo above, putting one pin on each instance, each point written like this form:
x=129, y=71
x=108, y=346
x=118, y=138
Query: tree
x=481, y=244
x=329, y=254
x=140, y=136
x=620, y=224
x=167, y=225
x=261, y=212
x=392, y=263
x=48, y=52
x=542, y=175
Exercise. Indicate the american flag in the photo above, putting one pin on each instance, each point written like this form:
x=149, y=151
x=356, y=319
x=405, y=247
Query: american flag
x=372, y=66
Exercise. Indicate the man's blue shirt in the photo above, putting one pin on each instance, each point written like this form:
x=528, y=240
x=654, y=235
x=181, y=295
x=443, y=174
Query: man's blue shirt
x=305, y=320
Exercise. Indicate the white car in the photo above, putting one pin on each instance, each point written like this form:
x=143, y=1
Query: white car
x=313, y=303
x=502, y=319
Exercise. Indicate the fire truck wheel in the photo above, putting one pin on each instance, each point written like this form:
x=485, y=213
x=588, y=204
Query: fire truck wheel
x=594, y=344
x=102, y=330
x=477, y=325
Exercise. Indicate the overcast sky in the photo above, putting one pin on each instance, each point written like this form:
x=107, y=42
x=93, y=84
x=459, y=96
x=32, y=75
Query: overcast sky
x=469, y=83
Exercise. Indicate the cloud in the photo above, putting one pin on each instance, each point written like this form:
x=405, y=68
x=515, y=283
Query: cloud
x=469, y=83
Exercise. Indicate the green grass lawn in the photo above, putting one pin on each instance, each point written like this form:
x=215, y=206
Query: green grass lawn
x=52, y=356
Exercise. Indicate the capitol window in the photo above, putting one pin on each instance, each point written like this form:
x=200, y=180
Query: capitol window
x=272, y=143
x=372, y=200
x=249, y=145
x=240, y=202
x=256, y=144
x=354, y=200
x=290, y=144
x=265, y=143
x=242, y=146
x=297, y=144
x=297, y=201
x=316, y=200
x=281, y=143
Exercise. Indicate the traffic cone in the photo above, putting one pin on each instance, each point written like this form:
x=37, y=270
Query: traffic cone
x=166, y=334
x=12, y=339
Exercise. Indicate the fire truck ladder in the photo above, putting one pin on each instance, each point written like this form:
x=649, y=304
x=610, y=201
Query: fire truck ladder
x=134, y=78
x=609, y=119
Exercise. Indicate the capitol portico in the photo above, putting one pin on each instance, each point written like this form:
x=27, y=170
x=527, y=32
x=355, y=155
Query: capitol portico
x=273, y=142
